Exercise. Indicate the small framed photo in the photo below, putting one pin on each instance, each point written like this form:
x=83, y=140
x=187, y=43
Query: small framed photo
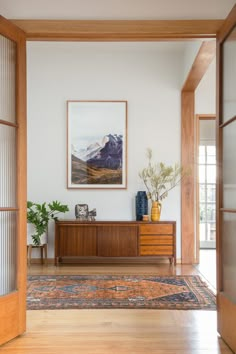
x=96, y=144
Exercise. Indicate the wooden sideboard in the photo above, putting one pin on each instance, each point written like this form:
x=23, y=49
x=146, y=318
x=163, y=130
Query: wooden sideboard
x=114, y=241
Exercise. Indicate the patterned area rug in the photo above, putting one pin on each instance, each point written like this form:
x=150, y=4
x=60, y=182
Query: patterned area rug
x=118, y=291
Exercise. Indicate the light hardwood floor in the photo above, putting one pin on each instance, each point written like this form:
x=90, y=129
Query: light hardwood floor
x=207, y=265
x=118, y=331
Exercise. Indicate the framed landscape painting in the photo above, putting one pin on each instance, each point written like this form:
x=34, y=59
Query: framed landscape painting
x=97, y=144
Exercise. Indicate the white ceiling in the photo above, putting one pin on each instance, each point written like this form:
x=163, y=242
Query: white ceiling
x=116, y=9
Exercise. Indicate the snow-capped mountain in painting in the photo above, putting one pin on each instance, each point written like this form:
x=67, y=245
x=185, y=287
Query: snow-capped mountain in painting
x=88, y=153
x=106, y=154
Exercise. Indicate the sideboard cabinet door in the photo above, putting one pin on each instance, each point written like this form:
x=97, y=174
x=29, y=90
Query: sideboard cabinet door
x=76, y=240
x=117, y=240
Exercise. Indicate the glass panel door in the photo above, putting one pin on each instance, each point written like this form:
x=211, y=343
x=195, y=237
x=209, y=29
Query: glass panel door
x=12, y=181
x=226, y=186
x=207, y=183
x=8, y=201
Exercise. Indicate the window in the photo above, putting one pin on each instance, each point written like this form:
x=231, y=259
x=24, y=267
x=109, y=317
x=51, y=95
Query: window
x=207, y=194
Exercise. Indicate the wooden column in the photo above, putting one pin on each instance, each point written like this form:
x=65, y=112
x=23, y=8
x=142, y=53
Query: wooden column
x=201, y=63
x=187, y=187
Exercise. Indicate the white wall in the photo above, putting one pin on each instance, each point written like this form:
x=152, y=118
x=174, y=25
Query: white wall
x=190, y=54
x=147, y=75
x=205, y=94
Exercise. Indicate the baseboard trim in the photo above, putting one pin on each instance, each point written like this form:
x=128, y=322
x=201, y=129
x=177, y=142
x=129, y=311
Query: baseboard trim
x=51, y=261
x=39, y=261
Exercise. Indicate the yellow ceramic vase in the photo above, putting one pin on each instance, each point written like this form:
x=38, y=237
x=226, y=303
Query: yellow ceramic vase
x=155, y=211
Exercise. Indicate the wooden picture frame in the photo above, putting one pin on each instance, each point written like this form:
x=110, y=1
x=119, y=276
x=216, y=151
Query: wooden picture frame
x=96, y=144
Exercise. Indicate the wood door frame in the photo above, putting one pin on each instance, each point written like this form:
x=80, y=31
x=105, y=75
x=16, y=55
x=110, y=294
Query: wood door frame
x=118, y=30
x=200, y=65
x=15, y=302
x=147, y=30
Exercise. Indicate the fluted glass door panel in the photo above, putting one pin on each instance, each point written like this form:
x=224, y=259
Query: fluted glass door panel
x=7, y=252
x=8, y=175
x=7, y=166
x=229, y=166
x=7, y=79
x=229, y=92
x=229, y=255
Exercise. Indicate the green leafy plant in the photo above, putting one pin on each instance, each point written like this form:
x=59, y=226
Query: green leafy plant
x=159, y=178
x=40, y=214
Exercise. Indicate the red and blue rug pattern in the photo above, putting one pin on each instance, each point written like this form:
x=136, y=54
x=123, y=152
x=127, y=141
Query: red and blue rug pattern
x=118, y=291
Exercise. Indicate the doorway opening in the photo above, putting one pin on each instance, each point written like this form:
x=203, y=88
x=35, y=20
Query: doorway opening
x=206, y=183
x=206, y=197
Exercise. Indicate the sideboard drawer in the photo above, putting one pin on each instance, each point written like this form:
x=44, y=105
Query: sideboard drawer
x=156, y=240
x=156, y=250
x=154, y=229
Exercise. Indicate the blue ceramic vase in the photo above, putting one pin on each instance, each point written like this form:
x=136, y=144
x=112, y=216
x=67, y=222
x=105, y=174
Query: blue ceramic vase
x=141, y=205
